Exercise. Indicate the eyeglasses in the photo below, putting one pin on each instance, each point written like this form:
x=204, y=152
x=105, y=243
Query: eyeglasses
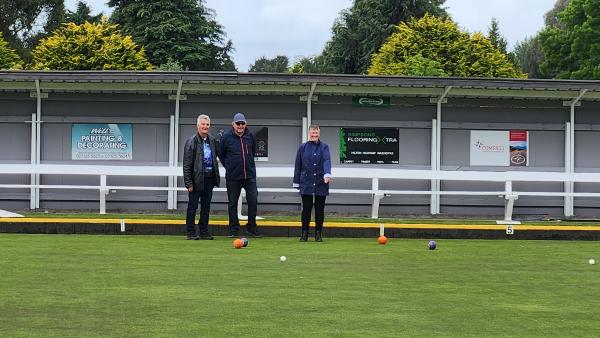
x=240, y=123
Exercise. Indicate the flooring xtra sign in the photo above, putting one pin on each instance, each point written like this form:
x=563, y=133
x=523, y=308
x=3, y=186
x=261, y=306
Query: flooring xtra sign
x=101, y=142
x=501, y=148
x=372, y=145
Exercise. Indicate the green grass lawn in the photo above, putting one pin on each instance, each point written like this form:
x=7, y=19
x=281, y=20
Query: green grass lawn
x=164, y=286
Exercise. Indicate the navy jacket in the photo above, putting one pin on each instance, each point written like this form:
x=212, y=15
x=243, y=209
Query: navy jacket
x=237, y=155
x=313, y=163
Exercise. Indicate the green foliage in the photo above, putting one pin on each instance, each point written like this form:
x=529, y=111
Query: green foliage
x=529, y=56
x=9, y=59
x=417, y=65
x=496, y=37
x=171, y=66
x=89, y=47
x=184, y=31
x=360, y=30
x=573, y=52
x=311, y=65
x=24, y=22
x=82, y=14
x=278, y=64
x=551, y=18
x=455, y=52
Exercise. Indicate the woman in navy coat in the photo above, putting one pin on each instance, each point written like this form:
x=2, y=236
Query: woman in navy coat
x=312, y=174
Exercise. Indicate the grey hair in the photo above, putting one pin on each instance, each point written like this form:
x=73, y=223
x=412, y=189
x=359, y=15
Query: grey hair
x=203, y=117
x=314, y=127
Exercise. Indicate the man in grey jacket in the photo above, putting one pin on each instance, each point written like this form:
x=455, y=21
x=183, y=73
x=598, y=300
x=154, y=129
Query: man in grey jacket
x=201, y=175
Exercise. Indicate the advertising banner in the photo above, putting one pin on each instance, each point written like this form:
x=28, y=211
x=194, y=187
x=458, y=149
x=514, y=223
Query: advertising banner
x=370, y=101
x=101, y=141
x=369, y=145
x=499, y=148
x=489, y=148
x=519, y=143
x=261, y=134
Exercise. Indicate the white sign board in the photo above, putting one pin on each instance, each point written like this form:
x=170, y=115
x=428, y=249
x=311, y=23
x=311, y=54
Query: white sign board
x=490, y=148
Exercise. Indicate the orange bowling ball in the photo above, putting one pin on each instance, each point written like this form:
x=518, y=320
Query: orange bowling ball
x=382, y=240
x=238, y=243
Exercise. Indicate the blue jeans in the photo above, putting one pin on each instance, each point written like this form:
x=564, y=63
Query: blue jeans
x=204, y=196
x=234, y=188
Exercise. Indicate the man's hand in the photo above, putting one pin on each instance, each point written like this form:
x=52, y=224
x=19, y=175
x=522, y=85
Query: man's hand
x=190, y=189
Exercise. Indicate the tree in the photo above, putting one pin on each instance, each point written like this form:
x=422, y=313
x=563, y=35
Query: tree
x=171, y=66
x=529, y=56
x=551, y=18
x=311, y=65
x=9, y=59
x=417, y=65
x=184, y=31
x=496, y=37
x=82, y=14
x=278, y=64
x=455, y=52
x=89, y=47
x=24, y=22
x=360, y=30
x=573, y=52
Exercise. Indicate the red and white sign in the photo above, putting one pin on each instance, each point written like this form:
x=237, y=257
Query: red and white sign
x=519, y=144
x=500, y=148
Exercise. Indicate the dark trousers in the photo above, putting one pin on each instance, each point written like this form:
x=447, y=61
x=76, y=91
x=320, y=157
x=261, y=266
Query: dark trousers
x=204, y=196
x=307, y=204
x=234, y=188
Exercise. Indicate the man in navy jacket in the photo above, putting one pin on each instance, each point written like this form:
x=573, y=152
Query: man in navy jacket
x=237, y=148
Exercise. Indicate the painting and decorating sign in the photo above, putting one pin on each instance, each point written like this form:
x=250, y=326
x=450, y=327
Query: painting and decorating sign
x=101, y=141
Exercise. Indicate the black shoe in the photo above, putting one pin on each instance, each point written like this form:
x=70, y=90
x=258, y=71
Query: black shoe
x=304, y=236
x=191, y=236
x=233, y=235
x=254, y=231
x=206, y=236
x=318, y=237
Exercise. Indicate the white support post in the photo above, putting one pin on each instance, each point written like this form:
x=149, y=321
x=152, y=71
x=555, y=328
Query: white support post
x=434, y=198
x=38, y=132
x=240, y=203
x=304, y=129
x=377, y=196
x=33, y=190
x=176, y=141
x=570, y=164
x=309, y=99
x=437, y=163
x=568, y=186
x=103, y=193
x=509, y=202
x=171, y=180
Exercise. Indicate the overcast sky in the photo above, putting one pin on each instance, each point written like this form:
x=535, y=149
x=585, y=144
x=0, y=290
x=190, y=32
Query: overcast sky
x=301, y=28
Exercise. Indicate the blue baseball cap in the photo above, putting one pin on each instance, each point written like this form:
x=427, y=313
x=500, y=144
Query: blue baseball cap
x=239, y=117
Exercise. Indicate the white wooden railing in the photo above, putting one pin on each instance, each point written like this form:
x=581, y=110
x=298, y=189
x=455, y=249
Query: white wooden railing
x=373, y=174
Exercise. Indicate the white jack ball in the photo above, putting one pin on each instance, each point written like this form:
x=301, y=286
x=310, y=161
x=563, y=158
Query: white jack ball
x=282, y=259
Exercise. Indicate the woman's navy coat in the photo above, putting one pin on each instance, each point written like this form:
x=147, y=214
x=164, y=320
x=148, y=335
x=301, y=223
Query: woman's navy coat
x=313, y=163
